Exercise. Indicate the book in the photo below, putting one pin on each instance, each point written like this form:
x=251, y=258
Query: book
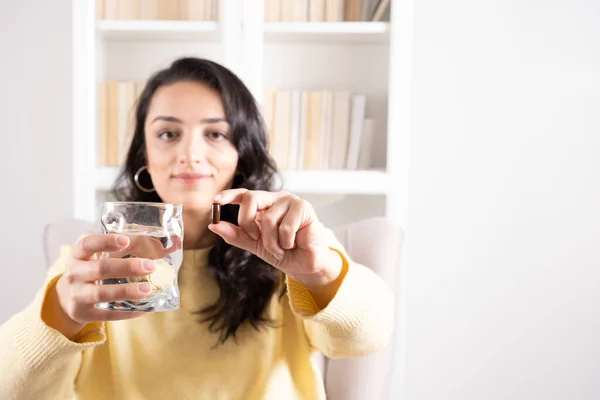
x=356, y=129
x=318, y=129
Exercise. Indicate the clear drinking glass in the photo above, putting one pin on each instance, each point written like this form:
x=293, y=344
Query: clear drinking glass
x=156, y=233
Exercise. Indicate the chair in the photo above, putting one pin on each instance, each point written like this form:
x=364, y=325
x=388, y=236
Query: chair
x=64, y=232
x=374, y=242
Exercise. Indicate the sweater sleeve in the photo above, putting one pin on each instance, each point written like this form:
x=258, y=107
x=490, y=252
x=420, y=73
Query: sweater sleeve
x=358, y=321
x=38, y=362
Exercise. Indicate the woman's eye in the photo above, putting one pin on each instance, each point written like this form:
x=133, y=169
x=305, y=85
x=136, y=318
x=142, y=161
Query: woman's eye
x=167, y=135
x=217, y=135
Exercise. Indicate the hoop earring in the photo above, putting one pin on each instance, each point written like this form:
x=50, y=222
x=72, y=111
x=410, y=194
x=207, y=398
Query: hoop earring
x=136, y=178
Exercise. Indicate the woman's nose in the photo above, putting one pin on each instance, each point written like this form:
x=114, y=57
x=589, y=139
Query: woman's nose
x=192, y=152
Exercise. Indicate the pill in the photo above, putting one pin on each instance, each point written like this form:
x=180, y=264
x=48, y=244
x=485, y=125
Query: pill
x=216, y=213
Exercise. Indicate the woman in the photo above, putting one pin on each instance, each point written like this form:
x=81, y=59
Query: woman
x=260, y=291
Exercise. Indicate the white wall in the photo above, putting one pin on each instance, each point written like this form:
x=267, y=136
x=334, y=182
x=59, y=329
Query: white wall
x=504, y=259
x=35, y=113
x=503, y=298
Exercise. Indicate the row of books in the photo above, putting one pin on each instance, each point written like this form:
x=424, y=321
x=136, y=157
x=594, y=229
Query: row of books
x=274, y=10
x=324, y=10
x=192, y=10
x=318, y=129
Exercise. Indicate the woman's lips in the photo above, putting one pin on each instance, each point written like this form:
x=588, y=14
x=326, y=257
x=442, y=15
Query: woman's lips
x=186, y=177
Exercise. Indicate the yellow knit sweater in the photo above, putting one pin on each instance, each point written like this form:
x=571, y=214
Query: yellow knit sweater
x=170, y=355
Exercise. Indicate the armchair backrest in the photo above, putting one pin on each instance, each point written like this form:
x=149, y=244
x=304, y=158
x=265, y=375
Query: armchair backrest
x=63, y=232
x=376, y=243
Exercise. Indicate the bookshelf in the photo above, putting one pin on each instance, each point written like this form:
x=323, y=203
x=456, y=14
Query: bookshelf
x=273, y=53
x=165, y=31
x=368, y=58
x=326, y=32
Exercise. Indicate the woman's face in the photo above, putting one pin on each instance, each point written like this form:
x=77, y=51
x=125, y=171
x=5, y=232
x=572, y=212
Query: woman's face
x=188, y=145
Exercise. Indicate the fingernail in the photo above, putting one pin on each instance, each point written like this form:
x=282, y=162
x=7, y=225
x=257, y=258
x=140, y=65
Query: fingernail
x=148, y=265
x=217, y=197
x=144, y=287
x=122, y=240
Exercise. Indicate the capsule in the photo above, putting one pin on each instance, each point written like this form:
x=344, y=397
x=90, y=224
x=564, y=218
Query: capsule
x=216, y=213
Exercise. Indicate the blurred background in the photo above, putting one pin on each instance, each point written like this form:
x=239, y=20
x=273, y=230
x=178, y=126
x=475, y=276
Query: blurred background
x=481, y=124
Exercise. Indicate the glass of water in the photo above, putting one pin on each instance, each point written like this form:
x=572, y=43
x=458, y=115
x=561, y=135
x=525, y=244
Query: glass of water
x=155, y=231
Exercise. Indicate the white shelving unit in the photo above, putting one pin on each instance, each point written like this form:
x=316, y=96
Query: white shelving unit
x=364, y=57
x=165, y=31
x=326, y=32
x=372, y=58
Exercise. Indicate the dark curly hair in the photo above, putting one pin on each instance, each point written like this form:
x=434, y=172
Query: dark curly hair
x=245, y=281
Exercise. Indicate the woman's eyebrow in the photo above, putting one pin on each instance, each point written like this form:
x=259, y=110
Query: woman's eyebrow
x=213, y=120
x=169, y=118
x=166, y=118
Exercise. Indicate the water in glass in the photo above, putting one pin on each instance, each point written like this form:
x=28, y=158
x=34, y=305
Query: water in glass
x=155, y=231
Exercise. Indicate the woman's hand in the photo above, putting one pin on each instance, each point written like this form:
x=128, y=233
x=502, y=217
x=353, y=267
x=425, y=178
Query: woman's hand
x=72, y=303
x=283, y=230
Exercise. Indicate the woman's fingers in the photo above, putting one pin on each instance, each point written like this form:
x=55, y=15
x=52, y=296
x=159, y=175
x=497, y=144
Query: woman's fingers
x=92, y=294
x=251, y=202
x=87, y=247
x=77, y=289
x=146, y=247
x=262, y=198
x=270, y=227
x=96, y=270
x=268, y=222
x=80, y=302
x=290, y=224
x=235, y=236
x=247, y=215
